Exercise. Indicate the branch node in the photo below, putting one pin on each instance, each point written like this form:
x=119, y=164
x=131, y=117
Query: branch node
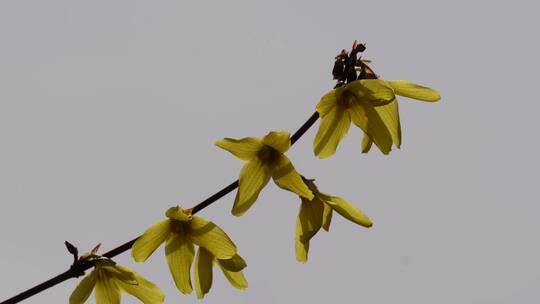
x=73, y=250
x=76, y=266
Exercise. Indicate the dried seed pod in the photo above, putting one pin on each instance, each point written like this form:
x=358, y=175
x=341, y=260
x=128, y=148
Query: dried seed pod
x=339, y=69
x=351, y=74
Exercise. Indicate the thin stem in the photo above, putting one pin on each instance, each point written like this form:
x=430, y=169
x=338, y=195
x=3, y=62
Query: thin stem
x=296, y=136
x=78, y=268
x=73, y=272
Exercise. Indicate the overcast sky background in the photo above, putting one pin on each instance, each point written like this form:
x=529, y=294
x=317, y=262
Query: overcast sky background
x=109, y=111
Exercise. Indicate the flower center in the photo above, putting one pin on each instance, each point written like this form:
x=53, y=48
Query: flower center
x=180, y=227
x=347, y=99
x=268, y=155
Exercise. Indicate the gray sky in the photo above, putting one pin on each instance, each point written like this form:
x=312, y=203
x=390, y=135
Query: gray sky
x=109, y=111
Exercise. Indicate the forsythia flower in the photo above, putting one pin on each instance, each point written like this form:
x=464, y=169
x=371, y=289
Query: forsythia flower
x=317, y=213
x=264, y=159
x=370, y=105
x=179, y=233
x=108, y=279
x=355, y=101
x=232, y=269
x=389, y=113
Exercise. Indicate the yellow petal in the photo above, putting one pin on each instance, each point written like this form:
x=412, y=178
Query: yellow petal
x=106, y=291
x=203, y=272
x=236, y=279
x=177, y=213
x=301, y=248
x=151, y=239
x=366, y=118
x=327, y=103
x=366, y=143
x=374, y=91
x=413, y=90
x=121, y=273
x=350, y=211
x=245, y=148
x=310, y=218
x=390, y=116
x=143, y=289
x=206, y=234
x=286, y=177
x=327, y=217
x=179, y=252
x=83, y=290
x=234, y=264
x=333, y=127
x=281, y=141
x=253, y=177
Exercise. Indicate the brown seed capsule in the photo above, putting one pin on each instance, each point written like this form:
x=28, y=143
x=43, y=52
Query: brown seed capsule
x=360, y=47
x=351, y=75
x=367, y=72
x=338, y=70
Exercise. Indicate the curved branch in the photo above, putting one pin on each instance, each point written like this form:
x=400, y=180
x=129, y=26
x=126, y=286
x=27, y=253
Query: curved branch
x=79, y=268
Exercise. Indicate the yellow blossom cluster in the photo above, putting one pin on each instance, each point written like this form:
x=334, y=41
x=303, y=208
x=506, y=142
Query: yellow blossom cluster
x=370, y=104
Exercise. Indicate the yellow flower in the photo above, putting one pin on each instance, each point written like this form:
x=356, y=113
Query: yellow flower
x=232, y=269
x=389, y=113
x=317, y=213
x=371, y=105
x=264, y=159
x=179, y=233
x=354, y=102
x=109, y=279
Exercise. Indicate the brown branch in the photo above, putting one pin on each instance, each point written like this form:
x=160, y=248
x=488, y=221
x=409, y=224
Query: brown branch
x=344, y=72
x=78, y=268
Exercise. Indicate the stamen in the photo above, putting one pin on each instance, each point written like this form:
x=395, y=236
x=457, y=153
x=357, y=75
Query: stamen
x=268, y=155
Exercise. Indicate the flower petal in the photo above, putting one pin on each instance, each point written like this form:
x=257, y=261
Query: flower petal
x=121, y=273
x=333, y=127
x=327, y=217
x=178, y=214
x=301, y=248
x=179, y=252
x=143, y=289
x=206, y=234
x=234, y=264
x=310, y=218
x=203, y=272
x=374, y=91
x=366, y=118
x=245, y=148
x=328, y=102
x=413, y=90
x=253, y=177
x=84, y=289
x=280, y=141
x=366, y=143
x=390, y=116
x=151, y=239
x=106, y=291
x=350, y=211
x=236, y=279
x=286, y=177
